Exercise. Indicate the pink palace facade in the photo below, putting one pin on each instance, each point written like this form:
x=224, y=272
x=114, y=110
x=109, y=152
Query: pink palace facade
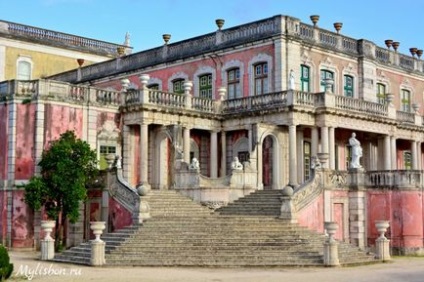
x=228, y=94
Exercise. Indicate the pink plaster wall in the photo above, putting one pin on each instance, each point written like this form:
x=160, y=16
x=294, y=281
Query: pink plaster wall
x=25, y=126
x=119, y=217
x=404, y=209
x=22, y=222
x=3, y=217
x=312, y=216
x=59, y=119
x=3, y=136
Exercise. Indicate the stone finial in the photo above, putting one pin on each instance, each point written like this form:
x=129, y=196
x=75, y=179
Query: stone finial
x=219, y=23
x=413, y=51
x=395, y=45
x=125, y=82
x=388, y=43
x=80, y=62
x=338, y=26
x=166, y=37
x=314, y=19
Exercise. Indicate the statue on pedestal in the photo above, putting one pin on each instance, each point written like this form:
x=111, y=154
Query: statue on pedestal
x=356, y=150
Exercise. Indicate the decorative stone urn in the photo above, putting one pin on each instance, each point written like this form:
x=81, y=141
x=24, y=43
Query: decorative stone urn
x=415, y=107
x=331, y=228
x=382, y=226
x=219, y=23
x=314, y=19
x=144, y=79
x=166, y=37
x=338, y=26
x=47, y=226
x=389, y=97
x=97, y=227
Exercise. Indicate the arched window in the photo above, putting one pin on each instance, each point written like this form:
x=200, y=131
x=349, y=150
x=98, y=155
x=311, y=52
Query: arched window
x=405, y=100
x=153, y=86
x=233, y=83
x=178, y=86
x=381, y=93
x=305, y=78
x=205, y=86
x=261, y=78
x=23, y=70
x=326, y=74
x=348, y=86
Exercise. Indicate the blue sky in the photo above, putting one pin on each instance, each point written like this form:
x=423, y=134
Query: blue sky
x=146, y=20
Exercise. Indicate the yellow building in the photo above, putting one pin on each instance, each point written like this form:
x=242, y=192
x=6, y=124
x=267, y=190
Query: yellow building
x=28, y=52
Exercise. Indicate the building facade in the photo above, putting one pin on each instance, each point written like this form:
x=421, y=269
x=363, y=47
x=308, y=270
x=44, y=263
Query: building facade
x=274, y=93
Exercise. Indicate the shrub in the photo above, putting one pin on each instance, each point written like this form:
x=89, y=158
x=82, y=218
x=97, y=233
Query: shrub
x=6, y=267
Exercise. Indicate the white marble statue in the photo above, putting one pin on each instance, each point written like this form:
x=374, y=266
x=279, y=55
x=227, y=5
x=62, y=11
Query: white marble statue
x=236, y=164
x=195, y=164
x=292, y=79
x=356, y=150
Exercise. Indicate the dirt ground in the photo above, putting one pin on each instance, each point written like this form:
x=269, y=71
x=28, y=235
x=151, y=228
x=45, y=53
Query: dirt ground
x=27, y=266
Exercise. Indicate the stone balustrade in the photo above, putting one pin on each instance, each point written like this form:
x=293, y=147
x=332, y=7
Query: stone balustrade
x=399, y=179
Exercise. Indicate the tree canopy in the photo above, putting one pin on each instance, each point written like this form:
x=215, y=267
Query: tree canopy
x=66, y=166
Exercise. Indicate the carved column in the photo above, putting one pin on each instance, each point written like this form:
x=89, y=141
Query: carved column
x=414, y=154
x=144, y=154
x=393, y=152
x=324, y=142
x=186, y=144
x=300, y=154
x=331, y=145
x=223, y=153
x=214, y=154
x=419, y=156
x=127, y=153
x=387, y=157
x=292, y=157
x=314, y=141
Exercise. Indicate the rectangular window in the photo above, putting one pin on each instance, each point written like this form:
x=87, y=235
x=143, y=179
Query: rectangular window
x=24, y=71
x=407, y=160
x=325, y=74
x=104, y=151
x=381, y=93
x=307, y=160
x=178, y=86
x=348, y=86
x=348, y=156
x=205, y=86
x=261, y=78
x=405, y=100
x=304, y=79
x=233, y=83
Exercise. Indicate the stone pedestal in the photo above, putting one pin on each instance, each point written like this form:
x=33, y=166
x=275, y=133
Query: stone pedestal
x=382, y=243
x=287, y=211
x=47, y=244
x=331, y=246
x=97, y=253
x=47, y=249
x=331, y=253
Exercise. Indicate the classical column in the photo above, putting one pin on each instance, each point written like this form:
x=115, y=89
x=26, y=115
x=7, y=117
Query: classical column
x=324, y=139
x=292, y=156
x=331, y=145
x=393, y=152
x=127, y=153
x=414, y=154
x=186, y=144
x=314, y=141
x=144, y=154
x=223, y=153
x=419, y=156
x=386, y=153
x=300, y=154
x=214, y=154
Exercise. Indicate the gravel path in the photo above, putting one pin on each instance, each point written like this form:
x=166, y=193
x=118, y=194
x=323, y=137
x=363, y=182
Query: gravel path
x=27, y=266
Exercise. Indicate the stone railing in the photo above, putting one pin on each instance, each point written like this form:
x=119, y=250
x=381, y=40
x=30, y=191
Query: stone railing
x=307, y=192
x=128, y=197
x=166, y=99
x=63, y=38
x=399, y=179
x=251, y=103
x=402, y=116
x=352, y=104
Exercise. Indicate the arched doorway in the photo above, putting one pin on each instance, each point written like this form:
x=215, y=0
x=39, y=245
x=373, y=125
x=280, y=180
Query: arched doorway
x=267, y=163
x=161, y=172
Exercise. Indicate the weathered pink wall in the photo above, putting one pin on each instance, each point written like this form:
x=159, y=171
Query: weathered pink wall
x=3, y=137
x=119, y=217
x=59, y=119
x=22, y=222
x=3, y=217
x=312, y=216
x=25, y=126
x=404, y=209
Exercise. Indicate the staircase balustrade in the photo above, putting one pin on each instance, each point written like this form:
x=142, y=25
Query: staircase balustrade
x=402, y=179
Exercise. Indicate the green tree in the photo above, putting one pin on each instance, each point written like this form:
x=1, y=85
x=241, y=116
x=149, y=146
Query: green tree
x=66, y=166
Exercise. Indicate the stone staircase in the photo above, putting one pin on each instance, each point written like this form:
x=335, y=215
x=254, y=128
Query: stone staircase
x=183, y=233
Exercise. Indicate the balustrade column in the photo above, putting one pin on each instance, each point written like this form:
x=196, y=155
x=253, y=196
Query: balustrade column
x=386, y=153
x=332, y=155
x=292, y=156
x=414, y=155
x=419, y=156
x=393, y=152
x=314, y=141
x=144, y=154
x=186, y=144
x=223, y=153
x=214, y=154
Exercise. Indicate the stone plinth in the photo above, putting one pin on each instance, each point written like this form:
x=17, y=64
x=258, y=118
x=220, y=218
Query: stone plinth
x=331, y=253
x=97, y=253
x=47, y=249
